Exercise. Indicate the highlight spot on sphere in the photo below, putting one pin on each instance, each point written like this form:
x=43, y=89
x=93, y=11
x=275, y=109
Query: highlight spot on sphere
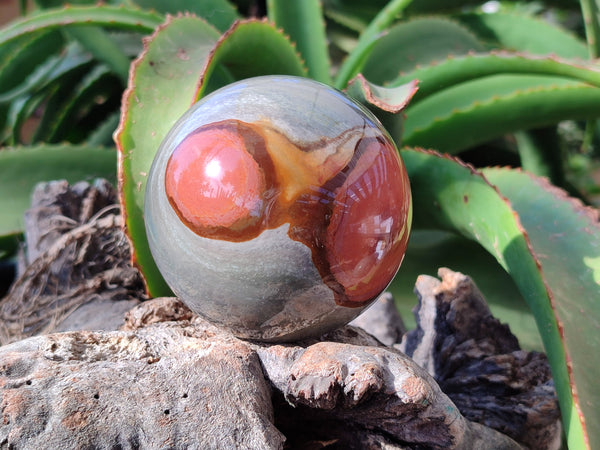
x=213, y=182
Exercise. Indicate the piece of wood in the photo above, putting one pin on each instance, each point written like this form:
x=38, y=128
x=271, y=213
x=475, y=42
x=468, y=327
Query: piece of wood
x=169, y=379
x=77, y=272
x=190, y=384
x=169, y=385
x=478, y=362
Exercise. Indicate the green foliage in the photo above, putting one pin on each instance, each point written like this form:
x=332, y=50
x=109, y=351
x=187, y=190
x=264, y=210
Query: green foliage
x=450, y=195
x=492, y=88
x=303, y=21
x=22, y=167
x=565, y=237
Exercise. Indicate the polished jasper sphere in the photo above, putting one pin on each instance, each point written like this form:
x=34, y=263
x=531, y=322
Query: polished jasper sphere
x=278, y=208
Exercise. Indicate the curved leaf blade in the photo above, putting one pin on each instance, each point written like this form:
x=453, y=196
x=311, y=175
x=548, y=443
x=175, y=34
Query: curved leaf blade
x=23, y=56
x=391, y=100
x=303, y=22
x=21, y=168
x=453, y=71
x=523, y=33
x=250, y=48
x=415, y=43
x=384, y=102
x=451, y=195
x=477, y=111
x=566, y=238
x=384, y=18
x=161, y=88
x=58, y=96
x=99, y=82
x=219, y=13
x=353, y=14
x=117, y=17
x=100, y=44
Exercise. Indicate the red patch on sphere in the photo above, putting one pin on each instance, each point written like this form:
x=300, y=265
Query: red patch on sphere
x=368, y=234
x=213, y=182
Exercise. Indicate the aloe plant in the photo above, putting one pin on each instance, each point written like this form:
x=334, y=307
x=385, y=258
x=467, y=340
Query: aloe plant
x=473, y=85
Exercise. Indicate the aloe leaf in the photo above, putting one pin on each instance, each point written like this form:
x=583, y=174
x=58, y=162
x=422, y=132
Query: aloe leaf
x=565, y=236
x=589, y=9
x=48, y=4
x=540, y=153
x=32, y=81
x=23, y=56
x=429, y=6
x=354, y=14
x=391, y=100
x=477, y=111
x=162, y=87
x=415, y=43
x=384, y=18
x=59, y=96
x=129, y=42
x=445, y=74
x=384, y=102
x=452, y=196
x=219, y=13
x=303, y=22
x=519, y=32
x=102, y=135
x=437, y=6
x=342, y=41
x=18, y=112
x=40, y=87
x=21, y=168
x=250, y=48
x=100, y=44
x=116, y=17
x=350, y=23
x=98, y=83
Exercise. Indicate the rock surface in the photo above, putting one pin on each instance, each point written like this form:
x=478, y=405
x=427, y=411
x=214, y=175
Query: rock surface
x=382, y=320
x=366, y=397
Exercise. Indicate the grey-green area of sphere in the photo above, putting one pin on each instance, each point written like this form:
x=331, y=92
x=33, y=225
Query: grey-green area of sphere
x=266, y=288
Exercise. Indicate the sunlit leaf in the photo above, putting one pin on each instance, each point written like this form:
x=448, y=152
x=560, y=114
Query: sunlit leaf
x=450, y=195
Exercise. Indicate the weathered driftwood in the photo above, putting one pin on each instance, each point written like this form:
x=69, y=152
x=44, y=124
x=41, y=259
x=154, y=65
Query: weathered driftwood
x=477, y=361
x=169, y=385
x=168, y=379
x=75, y=272
x=188, y=384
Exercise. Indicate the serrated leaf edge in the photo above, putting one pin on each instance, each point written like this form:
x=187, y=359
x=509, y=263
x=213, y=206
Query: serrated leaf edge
x=559, y=324
x=365, y=86
x=224, y=36
x=477, y=104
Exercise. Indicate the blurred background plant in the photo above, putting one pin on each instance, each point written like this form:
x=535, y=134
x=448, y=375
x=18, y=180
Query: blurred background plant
x=501, y=85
